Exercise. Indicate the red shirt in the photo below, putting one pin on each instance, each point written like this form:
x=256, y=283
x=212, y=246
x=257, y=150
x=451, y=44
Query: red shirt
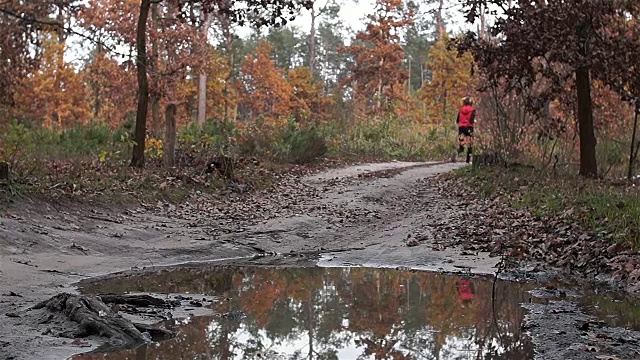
x=466, y=116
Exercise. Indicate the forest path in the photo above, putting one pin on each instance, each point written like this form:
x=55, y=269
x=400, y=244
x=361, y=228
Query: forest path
x=358, y=215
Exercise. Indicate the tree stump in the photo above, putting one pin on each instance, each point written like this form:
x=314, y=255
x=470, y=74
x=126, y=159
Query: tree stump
x=170, y=136
x=4, y=173
x=488, y=159
x=223, y=166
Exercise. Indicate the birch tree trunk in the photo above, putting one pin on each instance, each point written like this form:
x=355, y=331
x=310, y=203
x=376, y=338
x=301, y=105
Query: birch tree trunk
x=202, y=76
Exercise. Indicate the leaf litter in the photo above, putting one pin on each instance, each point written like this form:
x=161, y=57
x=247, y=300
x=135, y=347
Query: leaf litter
x=490, y=224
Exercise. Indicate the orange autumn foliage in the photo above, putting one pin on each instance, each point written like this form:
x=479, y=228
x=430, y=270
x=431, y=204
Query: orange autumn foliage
x=451, y=81
x=267, y=93
x=111, y=92
x=176, y=50
x=378, y=76
x=54, y=93
x=115, y=20
x=217, y=101
x=307, y=98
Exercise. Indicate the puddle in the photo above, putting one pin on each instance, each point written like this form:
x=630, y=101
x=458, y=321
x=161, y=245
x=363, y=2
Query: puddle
x=334, y=313
x=613, y=309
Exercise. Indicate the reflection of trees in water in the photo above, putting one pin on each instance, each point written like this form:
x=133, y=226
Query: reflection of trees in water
x=194, y=280
x=190, y=343
x=313, y=313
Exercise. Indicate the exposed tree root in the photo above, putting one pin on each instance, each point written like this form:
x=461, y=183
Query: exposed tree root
x=137, y=300
x=96, y=318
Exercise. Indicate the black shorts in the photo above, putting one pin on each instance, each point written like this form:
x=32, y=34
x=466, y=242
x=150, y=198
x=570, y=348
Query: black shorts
x=465, y=130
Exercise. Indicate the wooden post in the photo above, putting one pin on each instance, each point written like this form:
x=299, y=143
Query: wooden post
x=633, y=152
x=170, y=136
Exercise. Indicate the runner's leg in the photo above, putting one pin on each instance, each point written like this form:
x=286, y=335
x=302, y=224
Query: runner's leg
x=461, y=140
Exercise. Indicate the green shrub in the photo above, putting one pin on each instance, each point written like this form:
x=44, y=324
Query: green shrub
x=300, y=145
x=214, y=135
x=612, y=157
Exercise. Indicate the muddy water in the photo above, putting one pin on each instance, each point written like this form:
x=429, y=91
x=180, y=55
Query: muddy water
x=335, y=313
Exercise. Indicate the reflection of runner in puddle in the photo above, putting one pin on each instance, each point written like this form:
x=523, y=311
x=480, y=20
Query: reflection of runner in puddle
x=465, y=292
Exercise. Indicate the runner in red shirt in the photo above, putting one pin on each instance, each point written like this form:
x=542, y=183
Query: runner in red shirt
x=465, y=120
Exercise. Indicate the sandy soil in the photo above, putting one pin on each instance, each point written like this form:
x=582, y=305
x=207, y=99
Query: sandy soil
x=360, y=215
x=45, y=248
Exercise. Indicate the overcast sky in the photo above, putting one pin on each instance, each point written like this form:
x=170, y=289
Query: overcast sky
x=352, y=15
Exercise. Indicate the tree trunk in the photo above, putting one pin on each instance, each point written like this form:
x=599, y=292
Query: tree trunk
x=170, y=136
x=310, y=304
x=142, y=353
x=202, y=98
x=202, y=76
x=440, y=19
x=482, y=23
x=588, y=163
x=312, y=41
x=409, y=78
x=60, y=30
x=632, y=153
x=137, y=159
x=444, y=104
x=225, y=24
x=97, y=100
x=379, y=88
x=154, y=96
x=325, y=68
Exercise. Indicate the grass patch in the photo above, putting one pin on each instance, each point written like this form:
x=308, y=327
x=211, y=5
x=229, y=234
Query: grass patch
x=391, y=138
x=599, y=205
x=626, y=313
x=91, y=161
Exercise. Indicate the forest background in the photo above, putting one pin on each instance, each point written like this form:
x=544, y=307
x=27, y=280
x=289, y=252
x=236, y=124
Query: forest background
x=390, y=90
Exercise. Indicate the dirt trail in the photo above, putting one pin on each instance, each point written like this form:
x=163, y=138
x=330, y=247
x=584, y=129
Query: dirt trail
x=45, y=248
x=381, y=215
